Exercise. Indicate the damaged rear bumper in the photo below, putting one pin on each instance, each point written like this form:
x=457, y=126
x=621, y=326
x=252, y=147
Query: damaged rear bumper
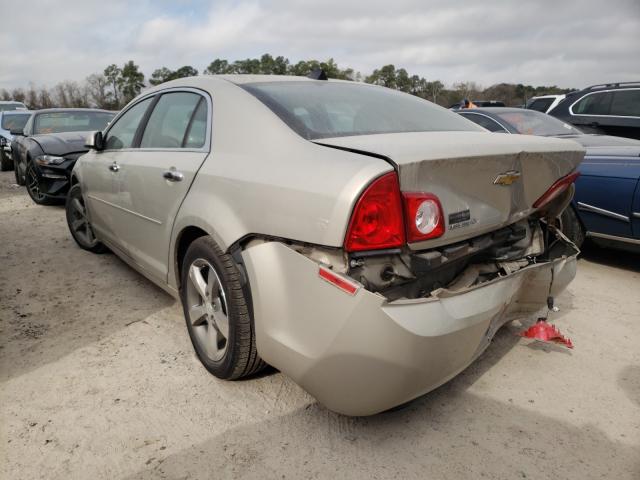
x=360, y=354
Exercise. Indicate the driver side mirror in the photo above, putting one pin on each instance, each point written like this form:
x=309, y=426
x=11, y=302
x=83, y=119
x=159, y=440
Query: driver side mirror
x=95, y=141
x=17, y=131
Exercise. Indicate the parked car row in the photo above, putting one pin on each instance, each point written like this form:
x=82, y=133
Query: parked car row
x=612, y=108
x=42, y=147
x=611, y=164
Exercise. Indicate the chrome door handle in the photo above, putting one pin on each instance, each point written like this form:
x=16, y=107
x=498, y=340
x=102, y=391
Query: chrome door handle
x=173, y=176
x=114, y=167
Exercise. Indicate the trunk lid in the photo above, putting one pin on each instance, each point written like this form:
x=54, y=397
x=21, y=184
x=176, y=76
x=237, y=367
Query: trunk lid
x=484, y=181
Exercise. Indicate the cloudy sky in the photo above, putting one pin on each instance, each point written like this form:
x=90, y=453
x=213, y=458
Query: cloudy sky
x=570, y=43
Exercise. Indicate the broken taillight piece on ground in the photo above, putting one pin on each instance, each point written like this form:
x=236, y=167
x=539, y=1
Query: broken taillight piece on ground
x=547, y=333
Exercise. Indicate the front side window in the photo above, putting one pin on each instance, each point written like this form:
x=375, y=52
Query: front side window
x=485, y=122
x=15, y=121
x=594, y=104
x=626, y=103
x=172, y=123
x=317, y=110
x=70, y=121
x=123, y=131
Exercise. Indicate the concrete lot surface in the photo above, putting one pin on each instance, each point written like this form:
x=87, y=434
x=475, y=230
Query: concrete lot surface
x=98, y=381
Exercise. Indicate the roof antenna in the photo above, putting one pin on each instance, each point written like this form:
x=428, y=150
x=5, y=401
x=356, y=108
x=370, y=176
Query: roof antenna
x=318, y=74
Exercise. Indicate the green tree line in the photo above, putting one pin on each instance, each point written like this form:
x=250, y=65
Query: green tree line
x=116, y=85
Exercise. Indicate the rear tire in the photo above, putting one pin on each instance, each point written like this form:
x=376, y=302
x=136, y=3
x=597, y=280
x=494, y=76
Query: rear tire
x=6, y=163
x=571, y=226
x=217, y=312
x=79, y=224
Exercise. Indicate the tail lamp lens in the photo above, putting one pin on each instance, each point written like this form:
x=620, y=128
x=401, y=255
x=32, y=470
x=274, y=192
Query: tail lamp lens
x=425, y=219
x=376, y=222
x=556, y=189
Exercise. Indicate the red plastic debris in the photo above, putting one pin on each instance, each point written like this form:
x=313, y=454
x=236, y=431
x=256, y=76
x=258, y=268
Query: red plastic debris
x=547, y=333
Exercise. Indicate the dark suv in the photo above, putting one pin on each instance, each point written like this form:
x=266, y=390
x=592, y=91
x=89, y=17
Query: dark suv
x=613, y=109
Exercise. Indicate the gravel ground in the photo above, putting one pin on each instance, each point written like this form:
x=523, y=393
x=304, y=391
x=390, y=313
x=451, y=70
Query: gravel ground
x=98, y=381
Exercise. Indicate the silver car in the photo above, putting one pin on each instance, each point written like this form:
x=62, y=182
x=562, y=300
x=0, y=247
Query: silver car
x=365, y=242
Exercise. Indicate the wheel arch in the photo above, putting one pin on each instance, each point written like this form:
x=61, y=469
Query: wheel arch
x=185, y=238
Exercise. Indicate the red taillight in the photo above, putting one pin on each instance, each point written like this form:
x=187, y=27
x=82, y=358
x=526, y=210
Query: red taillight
x=376, y=222
x=425, y=219
x=556, y=189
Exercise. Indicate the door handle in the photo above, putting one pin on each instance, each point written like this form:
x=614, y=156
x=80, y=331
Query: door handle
x=173, y=175
x=114, y=167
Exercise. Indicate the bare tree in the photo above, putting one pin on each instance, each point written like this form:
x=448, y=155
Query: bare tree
x=31, y=99
x=97, y=85
x=17, y=94
x=44, y=98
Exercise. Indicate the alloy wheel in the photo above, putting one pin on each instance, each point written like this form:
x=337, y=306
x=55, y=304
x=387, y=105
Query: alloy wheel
x=32, y=184
x=80, y=223
x=207, y=309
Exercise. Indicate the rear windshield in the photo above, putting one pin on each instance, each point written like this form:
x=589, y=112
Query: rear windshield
x=14, y=121
x=335, y=109
x=531, y=122
x=57, y=122
x=9, y=106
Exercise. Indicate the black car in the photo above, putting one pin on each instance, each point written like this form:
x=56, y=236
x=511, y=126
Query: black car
x=612, y=109
x=52, y=142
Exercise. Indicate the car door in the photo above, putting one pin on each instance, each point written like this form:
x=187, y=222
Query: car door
x=590, y=112
x=635, y=208
x=154, y=178
x=605, y=193
x=100, y=171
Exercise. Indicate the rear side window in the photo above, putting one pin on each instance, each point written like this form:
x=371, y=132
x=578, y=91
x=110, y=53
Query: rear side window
x=626, y=103
x=123, y=131
x=326, y=109
x=541, y=104
x=485, y=122
x=172, y=123
x=594, y=104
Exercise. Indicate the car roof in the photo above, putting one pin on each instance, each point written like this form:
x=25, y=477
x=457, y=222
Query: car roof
x=62, y=110
x=494, y=110
x=15, y=112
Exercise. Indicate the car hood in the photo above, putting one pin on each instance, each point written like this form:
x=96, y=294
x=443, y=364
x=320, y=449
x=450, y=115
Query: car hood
x=62, y=143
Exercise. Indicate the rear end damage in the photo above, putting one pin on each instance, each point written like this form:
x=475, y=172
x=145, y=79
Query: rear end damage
x=408, y=301
x=365, y=350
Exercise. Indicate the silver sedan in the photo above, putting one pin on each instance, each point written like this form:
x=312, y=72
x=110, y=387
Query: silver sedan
x=365, y=242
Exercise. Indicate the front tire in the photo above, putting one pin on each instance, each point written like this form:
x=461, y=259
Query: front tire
x=217, y=312
x=79, y=224
x=16, y=171
x=571, y=226
x=33, y=187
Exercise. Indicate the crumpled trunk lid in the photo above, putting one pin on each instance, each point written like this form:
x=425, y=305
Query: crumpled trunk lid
x=484, y=181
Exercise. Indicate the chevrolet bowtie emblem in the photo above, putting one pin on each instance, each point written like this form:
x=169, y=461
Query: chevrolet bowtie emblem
x=507, y=178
